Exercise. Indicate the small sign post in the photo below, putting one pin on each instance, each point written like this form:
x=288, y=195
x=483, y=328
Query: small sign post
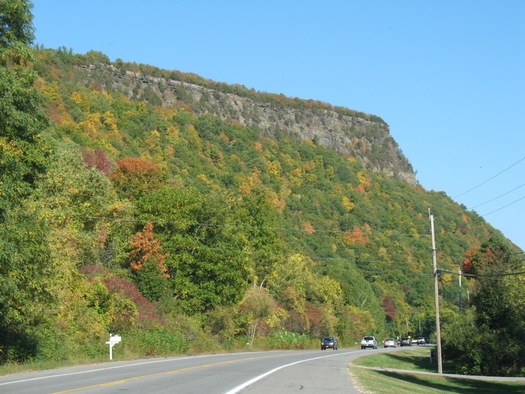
x=113, y=340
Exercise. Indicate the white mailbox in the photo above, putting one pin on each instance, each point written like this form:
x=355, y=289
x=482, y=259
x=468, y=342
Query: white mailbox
x=113, y=340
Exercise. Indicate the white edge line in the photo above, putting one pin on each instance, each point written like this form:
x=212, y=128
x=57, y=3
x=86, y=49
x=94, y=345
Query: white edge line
x=164, y=360
x=235, y=390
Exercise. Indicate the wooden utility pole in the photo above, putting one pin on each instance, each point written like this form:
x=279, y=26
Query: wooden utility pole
x=436, y=296
x=460, y=291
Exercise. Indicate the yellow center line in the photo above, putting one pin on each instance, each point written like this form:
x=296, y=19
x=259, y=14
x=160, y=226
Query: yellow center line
x=172, y=372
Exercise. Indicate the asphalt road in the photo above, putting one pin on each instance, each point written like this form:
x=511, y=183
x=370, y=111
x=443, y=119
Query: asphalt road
x=275, y=372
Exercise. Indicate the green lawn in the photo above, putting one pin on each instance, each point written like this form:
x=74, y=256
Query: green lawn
x=418, y=360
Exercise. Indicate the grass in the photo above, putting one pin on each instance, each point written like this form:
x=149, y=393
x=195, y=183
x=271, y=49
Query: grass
x=417, y=360
x=12, y=368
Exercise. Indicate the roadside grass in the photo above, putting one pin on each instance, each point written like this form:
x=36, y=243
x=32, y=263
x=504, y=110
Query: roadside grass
x=13, y=368
x=417, y=360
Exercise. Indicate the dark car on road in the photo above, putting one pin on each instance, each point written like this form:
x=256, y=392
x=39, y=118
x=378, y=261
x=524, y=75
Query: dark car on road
x=329, y=342
x=405, y=341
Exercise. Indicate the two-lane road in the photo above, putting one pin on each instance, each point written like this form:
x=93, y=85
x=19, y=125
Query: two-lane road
x=255, y=372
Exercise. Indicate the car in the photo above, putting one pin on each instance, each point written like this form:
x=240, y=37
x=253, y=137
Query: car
x=405, y=341
x=368, y=341
x=329, y=342
x=390, y=342
x=422, y=341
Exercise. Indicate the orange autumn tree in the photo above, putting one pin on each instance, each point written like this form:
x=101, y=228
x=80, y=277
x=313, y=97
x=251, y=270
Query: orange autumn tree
x=357, y=235
x=133, y=177
x=148, y=263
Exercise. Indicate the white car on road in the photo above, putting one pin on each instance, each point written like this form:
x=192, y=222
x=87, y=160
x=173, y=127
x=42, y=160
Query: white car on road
x=368, y=341
x=390, y=342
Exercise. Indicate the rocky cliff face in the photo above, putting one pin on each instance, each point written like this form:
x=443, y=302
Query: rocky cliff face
x=347, y=132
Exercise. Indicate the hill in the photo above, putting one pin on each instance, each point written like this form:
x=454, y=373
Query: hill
x=187, y=214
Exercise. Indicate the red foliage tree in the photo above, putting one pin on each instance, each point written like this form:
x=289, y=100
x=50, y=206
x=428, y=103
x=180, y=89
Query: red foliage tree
x=145, y=248
x=389, y=307
x=134, y=176
x=97, y=159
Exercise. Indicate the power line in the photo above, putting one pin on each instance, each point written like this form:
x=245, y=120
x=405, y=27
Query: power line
x=483, y=275
x=491, y=178
x=501, y=195
x=505, y=206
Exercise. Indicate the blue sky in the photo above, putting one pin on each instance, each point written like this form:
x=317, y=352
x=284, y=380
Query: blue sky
x=448, y=76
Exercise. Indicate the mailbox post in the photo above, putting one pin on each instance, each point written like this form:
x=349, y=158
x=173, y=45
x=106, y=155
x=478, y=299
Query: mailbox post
x=113, y=340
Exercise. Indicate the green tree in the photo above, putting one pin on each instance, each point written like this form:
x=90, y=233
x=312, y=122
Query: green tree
x=205, y=262
x=21, y=116
x=499, y=310
x=258, y=308
x=25, y=275
x=79, y=203
x=26, y=284
x=464, y=343
x=259, y=223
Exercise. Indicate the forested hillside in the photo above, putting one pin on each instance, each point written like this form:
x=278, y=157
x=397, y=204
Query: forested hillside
x=183, y=230
x=361, y=135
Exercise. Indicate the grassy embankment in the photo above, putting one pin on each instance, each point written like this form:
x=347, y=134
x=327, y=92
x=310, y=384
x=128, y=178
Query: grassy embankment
x=418, y=360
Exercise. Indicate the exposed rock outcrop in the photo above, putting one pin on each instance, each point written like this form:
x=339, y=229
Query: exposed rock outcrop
x=363, y=136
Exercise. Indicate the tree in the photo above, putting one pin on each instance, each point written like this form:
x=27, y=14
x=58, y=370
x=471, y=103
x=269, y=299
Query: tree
x=79, y=202
x=206, y=265
x=259, y=309
x=21, y=116
x=133, y=177
x=26, y=284
x=499, y=314
x=464, y=343
x=259, y=223
x=97, y=159
x=15, y=27
x=148, y=264
x=77, y=205
x=300, y=289
x=25, y=275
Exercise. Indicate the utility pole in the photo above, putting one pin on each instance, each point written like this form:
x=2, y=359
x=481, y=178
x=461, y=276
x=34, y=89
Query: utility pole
x=436, y=296
x=460, y=292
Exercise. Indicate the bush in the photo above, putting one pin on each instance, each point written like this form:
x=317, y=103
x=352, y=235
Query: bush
x=463, y=344
x=288, y=340
x=156, y=341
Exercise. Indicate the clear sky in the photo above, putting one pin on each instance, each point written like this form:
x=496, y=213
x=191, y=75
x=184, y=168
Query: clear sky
x=448, y=76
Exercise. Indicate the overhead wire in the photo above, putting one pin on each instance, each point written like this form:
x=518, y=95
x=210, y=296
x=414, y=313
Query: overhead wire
x=491, y=178
x=483, y=275
x=505, y=206
x=498, y=197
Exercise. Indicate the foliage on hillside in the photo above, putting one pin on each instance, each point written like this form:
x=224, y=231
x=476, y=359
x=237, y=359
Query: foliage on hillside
x=363, y=136
x=188, y=232
x=25, y=275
